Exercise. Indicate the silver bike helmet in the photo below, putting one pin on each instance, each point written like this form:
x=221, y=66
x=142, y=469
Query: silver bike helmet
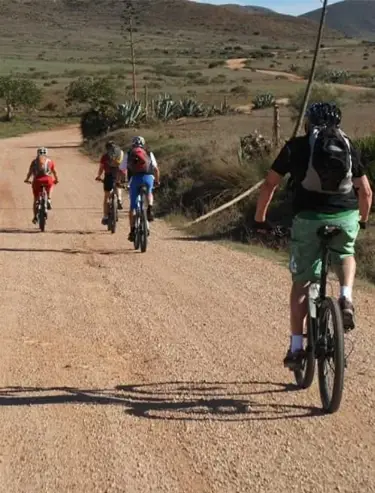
x=138, y=141
x=42, y=151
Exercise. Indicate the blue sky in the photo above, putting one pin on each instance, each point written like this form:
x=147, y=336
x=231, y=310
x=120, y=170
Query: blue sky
x=283, y=6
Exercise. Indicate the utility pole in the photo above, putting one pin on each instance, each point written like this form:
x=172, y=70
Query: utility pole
x=128, y=16
x=312, y=71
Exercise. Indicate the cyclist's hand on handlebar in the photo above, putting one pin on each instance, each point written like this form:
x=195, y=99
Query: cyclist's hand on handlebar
x=27, y=181
x=262, y=226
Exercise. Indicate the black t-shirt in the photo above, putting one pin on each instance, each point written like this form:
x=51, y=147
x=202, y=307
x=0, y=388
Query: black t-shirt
x=294, y=159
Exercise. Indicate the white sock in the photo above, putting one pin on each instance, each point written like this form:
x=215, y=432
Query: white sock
x=346, y=292
x=297, y=343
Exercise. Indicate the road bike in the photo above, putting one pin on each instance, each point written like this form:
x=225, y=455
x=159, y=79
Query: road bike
x=324, y=334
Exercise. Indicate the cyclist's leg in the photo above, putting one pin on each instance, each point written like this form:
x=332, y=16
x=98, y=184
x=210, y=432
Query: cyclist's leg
x=305, y=267
x=120, y=175
x=107, y=187
x=49, y=182
x=343, y=259
x=134, y=185
x=148, y=180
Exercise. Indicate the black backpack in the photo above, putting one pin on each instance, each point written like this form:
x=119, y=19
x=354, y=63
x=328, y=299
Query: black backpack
x=330, y=165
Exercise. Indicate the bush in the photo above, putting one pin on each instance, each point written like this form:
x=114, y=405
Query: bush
x=217, y=63
x=319, y=92
x=262, y=101
x=93, y=91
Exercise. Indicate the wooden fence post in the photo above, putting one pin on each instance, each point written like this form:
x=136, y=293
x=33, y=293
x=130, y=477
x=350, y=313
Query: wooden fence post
x=276, y=125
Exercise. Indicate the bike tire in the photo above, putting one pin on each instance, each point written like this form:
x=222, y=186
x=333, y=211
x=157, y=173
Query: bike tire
x=305, y=376
x=143, y=230
x=42, y=218
x=137, y=239
x=331, y=403
x=113, y=214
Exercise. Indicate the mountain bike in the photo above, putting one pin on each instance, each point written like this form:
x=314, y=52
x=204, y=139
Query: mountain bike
x=41, y=207
x=323, y=345
x=113, y=207
x=141, y=225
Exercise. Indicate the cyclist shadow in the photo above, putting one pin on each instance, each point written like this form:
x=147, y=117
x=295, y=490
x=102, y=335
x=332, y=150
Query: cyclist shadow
x=176, y=400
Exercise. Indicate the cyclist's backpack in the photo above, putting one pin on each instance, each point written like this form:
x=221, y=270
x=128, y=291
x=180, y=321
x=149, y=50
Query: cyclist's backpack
x=330, y=165
x=44, y=170
x=139, y=161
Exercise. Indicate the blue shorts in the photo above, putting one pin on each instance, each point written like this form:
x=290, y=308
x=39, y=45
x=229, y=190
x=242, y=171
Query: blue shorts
x=135, y=182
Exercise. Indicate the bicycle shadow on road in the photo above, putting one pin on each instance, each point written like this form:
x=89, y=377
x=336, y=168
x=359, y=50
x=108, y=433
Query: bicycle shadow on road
x=70, y=251
x=176, y=401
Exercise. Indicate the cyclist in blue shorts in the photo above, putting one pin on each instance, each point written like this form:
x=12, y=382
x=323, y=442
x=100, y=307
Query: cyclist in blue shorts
x=142, y=169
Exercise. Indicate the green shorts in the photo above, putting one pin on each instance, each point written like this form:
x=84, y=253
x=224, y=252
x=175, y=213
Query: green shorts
x=305, y=262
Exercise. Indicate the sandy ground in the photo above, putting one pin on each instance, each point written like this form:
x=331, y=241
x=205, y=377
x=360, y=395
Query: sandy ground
x=239, y=63
x=157, y=372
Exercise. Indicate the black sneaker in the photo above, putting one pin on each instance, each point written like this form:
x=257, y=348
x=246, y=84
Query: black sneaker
x=119, y=205
x=131, y=236
x=294, y=360
x=150, y=215
x=49, y=204
x=105, y=221
x=347, y=310
x=35, y=220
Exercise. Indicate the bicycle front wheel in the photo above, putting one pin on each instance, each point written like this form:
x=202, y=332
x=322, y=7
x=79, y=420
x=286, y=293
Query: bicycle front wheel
x=42, y=218
x=331, y=362
x=113, y=222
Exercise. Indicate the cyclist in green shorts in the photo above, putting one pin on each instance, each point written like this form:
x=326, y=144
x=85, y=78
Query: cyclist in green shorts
x=330, y=187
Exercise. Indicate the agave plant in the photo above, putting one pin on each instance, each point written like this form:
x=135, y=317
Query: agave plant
x=130, y=113
x=189, y=107
x=165, y=108
x=265, y=100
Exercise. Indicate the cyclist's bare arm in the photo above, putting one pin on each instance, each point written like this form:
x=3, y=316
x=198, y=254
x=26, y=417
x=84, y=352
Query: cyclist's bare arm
x=364, y=196
x=29, y=173
x=54, y=172
x=157, y=175
x=100, y=170
x=267, y=190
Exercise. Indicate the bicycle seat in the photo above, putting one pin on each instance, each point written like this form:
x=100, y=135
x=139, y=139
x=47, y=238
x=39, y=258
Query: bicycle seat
x=143, y=189
x=327, y=232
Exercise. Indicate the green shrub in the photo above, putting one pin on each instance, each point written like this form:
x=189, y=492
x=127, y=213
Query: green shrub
x=262, y=101
x=319, y=92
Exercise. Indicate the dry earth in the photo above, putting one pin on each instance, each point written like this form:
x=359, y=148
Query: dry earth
x=156, y=372
x=239, y=64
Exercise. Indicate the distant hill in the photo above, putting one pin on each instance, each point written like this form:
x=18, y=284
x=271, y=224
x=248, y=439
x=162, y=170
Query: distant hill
x=251, y=9
x=22, y=17
x=355, y=18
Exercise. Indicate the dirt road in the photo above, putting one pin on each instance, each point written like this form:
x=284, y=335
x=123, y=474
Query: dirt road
x=157, y=372
x=239, y=64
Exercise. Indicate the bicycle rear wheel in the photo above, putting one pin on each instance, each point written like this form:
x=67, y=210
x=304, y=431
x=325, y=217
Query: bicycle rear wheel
x=305, y=375
x=113, y=222
x=143, y=228
x=332, y=355
x=137, y=239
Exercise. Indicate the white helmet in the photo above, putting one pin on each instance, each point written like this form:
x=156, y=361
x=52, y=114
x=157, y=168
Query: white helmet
x=138, y=141
x=42, y=151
